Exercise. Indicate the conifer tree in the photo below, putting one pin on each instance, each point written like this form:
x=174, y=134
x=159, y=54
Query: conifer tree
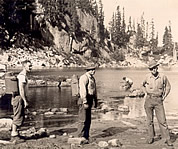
x=167, y=40
x=139, y=37
x=153, y=41
x=101, y=22
x=112, y=28
x=118, y=34
x=129, y=29
x=143, y=24
x=124, y=37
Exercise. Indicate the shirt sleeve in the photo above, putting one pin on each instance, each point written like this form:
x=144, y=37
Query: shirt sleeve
x=21, y=78
x=83, y=88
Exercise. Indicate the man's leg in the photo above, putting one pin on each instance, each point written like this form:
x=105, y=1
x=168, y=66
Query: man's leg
x=87, y=123
x=81, y=122
x=161, y=117
x=150, y=114
x=18, y=117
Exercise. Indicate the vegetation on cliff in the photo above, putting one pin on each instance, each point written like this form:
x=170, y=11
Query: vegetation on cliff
x=72, y=33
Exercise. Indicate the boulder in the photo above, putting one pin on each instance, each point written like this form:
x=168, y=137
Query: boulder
x=103, y=144
x=63, y=109
x=49, y=113
x=123, y=108
x=5, y=124
x=114, y=143
x=54, y=110
x=77, y=141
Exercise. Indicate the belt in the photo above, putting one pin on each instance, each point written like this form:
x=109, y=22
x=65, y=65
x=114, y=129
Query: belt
x=153, y=95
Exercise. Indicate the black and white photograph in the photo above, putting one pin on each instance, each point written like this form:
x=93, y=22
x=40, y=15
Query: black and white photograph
x=88, y=74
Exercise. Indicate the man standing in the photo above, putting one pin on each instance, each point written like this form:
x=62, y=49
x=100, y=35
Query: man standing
x=19, y=100
x=88, y=95
x=157, y=87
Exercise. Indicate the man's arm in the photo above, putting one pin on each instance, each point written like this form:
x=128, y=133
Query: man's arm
x=95, y=97
x=167, y=87
x=83, y=89
x=22, y=84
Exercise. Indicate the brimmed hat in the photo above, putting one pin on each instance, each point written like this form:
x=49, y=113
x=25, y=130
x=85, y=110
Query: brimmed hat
x=90, y=67
x=152, y=64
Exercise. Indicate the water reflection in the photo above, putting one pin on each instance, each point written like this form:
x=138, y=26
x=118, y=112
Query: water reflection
x=136, y=107
x=51, y=97
x=135, y=110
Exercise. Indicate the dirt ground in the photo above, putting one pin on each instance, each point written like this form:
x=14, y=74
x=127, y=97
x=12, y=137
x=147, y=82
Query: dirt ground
x=130, y=132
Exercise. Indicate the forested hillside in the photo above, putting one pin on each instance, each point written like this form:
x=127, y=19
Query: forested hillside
x=72, y=33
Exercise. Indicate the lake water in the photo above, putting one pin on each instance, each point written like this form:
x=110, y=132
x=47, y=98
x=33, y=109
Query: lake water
x=108, y=83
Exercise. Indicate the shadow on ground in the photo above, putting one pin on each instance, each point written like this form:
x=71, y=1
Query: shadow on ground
x=111, y=131
x=62, y=131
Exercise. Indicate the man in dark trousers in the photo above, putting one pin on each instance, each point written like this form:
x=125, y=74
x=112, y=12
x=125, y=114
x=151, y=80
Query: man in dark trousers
x=157, y=87
x=88, y=95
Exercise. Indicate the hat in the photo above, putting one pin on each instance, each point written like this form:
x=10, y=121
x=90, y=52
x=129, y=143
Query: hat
x=90, y=67
x=152, y=64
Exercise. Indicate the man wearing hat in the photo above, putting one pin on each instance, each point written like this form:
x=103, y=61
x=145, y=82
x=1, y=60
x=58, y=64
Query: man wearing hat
x=157, y=87
x=88, y=95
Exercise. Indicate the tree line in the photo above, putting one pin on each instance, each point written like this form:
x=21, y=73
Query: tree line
x=143, y=31
x=15, y=19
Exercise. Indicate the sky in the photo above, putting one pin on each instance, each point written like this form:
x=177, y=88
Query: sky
x=162, y=11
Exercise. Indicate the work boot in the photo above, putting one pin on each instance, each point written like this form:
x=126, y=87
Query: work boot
x=150, y=141
x=169, y=143
x=84, y=141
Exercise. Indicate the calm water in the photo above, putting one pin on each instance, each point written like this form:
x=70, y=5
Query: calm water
x=108, y=83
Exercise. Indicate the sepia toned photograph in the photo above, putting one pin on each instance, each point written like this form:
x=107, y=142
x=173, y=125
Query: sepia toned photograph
x=88, y=74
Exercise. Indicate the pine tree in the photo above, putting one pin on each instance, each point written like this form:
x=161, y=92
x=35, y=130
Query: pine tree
x=130, y=24
x=124, y=37
x=167, y=40
x=153, y=42
x=118, y=33
x=112, y=28
x=143, y=24
x=139, y=37
x=101, y=22
x=146, y=32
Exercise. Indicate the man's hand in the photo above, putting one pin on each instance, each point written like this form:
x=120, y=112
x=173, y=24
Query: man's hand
x=86, y=106
x=25, y=103
x=95, y=104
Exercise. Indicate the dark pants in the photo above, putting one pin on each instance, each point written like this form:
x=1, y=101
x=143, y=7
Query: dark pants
x=18, y=110
x=84, y=119
x=156, y=104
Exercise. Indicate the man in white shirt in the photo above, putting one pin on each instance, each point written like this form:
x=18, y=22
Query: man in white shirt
x=88, y=95
x=19, y=100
